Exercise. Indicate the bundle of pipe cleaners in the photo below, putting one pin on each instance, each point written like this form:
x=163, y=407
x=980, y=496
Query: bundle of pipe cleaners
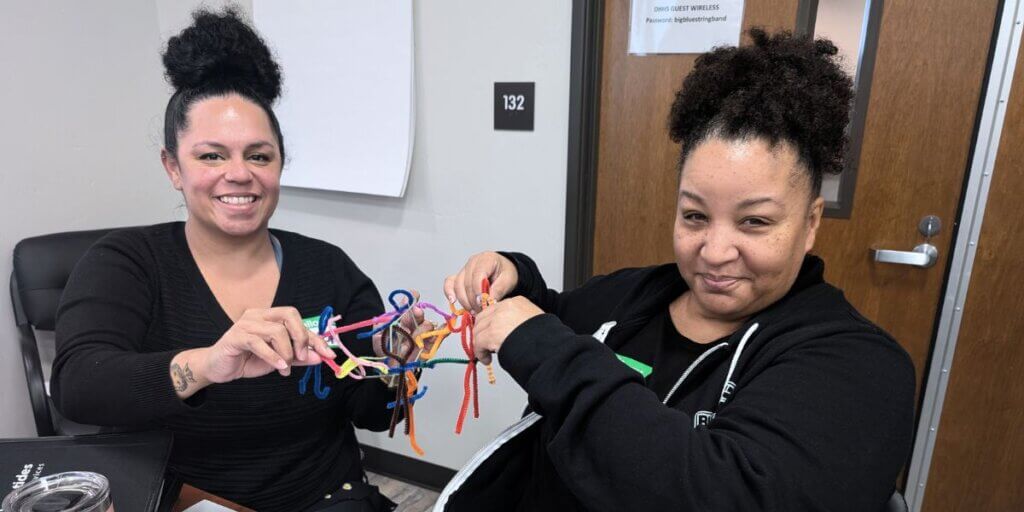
x=401, y=357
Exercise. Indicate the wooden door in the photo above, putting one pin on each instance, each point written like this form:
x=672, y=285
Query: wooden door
x=927, y=83
x=978, y=460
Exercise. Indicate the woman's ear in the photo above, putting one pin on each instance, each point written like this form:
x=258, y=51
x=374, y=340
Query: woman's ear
x=814, y=221
x=171, y=168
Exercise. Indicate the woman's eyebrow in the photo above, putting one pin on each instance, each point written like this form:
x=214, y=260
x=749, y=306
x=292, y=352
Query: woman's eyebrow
x=209, y=143
x=690, y=195
x=259, y=144
x=747, y=203
x=218, y=145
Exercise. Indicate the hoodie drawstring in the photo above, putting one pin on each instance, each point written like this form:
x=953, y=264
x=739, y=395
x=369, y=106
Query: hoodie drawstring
x=729, y=385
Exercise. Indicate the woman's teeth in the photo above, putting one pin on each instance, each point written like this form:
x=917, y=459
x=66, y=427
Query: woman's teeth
x=237, y=199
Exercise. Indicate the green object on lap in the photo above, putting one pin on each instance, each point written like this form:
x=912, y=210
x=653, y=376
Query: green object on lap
x=312, y=323
x=642, y=368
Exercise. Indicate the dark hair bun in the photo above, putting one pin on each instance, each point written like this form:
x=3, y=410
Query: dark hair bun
x=782, y=87
x=222, y=50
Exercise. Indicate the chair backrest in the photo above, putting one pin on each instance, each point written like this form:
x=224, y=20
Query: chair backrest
x=42, y=265
x=896, y=503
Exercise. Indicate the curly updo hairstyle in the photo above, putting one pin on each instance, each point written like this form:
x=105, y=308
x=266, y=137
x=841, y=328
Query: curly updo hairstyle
x=782, y=88
x=218, y=54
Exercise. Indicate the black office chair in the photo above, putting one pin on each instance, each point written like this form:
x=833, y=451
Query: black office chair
x=896, y=503
x=42, y=266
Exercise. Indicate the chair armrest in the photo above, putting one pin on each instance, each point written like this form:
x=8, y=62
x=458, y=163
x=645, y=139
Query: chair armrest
x=33, y=367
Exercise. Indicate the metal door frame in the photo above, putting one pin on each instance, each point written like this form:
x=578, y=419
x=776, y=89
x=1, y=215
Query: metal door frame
x=1002, y=63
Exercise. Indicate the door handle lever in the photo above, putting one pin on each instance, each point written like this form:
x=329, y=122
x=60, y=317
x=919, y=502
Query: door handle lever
x=923, y=256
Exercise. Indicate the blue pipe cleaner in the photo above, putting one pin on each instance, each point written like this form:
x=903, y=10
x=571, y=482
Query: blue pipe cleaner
x=368, y=334
x=398, y=312
x=319, y=388
x=408, y=367
x=408, y=299
x=412, y=399
x=325, y=316
x=304, y=382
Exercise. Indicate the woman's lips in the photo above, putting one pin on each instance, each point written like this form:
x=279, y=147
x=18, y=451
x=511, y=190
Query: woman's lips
x=238, y=204
x=718, y=284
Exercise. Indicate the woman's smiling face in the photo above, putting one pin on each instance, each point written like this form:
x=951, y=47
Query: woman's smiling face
x=228, y=166
x=745, y=220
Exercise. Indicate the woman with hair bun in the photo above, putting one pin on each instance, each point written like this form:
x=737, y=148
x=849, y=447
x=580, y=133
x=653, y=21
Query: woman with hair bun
x=732, y=379
x=196, y=327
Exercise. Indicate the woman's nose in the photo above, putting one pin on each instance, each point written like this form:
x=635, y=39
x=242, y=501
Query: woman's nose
x=237, y=172
x=719, y=247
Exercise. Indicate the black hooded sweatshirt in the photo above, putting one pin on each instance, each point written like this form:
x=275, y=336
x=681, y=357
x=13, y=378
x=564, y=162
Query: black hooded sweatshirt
x=808, y=406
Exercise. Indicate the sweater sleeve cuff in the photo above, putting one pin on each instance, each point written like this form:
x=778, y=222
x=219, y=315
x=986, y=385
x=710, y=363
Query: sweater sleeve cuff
x=530, y=344
x=153, y=390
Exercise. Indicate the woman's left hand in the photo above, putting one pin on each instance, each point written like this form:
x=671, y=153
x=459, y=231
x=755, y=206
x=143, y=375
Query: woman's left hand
x=496, y=322
x=413, y=321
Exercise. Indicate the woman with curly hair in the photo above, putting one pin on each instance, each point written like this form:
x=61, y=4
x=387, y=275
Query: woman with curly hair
x=196, y=327
x=733, y=379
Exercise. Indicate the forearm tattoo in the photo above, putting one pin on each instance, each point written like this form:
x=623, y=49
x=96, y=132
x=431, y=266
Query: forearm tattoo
x=181, y=377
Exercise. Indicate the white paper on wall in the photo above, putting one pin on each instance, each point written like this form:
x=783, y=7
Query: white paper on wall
x=683, y=26
x=347, y=111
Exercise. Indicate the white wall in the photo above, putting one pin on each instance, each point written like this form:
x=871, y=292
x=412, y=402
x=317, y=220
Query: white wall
x=81, y=100
x=470, y=188
x=82, y=113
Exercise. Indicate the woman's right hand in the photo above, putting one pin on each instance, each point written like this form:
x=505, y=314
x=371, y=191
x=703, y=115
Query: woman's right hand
x=465, y=286
x=260, y=342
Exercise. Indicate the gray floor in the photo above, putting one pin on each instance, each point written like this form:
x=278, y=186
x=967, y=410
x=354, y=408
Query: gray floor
x=409, y=498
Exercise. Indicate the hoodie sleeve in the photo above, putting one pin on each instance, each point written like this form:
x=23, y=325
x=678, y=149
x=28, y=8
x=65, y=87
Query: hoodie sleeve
x=826, y=426
x=589, y=301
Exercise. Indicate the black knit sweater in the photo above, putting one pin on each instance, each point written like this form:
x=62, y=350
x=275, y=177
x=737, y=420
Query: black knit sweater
x=137, y=298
